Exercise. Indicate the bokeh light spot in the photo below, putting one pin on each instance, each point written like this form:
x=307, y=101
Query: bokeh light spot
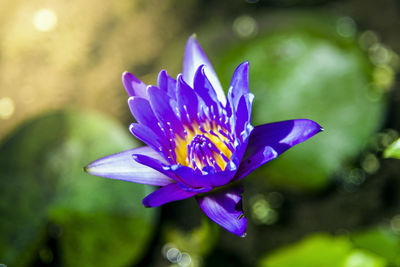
x=383, y=77
x=44, y=20
x=262, y=212
x=346, y=27
x=185, y=260
x=370, y=163
x=379, y=54
x=6, y=108
x=245, y=26
x=368, y=39
x=173, y=255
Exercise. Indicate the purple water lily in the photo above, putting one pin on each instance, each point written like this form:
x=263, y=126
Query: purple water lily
x=198, y=141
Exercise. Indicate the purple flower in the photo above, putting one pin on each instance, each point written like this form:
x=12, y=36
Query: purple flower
x=198, y=140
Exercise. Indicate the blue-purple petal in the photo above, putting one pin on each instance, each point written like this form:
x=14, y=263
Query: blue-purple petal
x=155, y=164
x=243, y=114
x=142, y=112
x=133, y=86
x=268, y=141
x=166, y=194
x=193, y=58
x=167, y=83
x=202, y=179
x=239, y=85
x=225, y=209
x=188, y=103
x=121, y=166
x=161, y=105
x=204, y=88
x=147, y=136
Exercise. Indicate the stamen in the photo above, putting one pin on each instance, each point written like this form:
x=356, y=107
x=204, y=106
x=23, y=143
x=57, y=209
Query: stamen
x=212, y=132
x=223, y=133
x=216, y=166
x=223, y=156
x=229, y=146
x=202, y=129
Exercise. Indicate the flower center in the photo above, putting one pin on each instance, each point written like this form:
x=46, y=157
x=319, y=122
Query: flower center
x=203, y=146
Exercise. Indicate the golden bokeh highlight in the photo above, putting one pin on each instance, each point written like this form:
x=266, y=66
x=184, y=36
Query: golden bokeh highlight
x=71, y=54
x=44, y=20
x=6, y=108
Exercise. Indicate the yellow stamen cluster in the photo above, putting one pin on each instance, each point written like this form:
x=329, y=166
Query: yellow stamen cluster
x=181, y=150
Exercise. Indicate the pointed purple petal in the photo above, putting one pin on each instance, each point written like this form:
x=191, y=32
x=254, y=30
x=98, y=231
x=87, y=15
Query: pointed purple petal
x=195, y=57
x=168, y=193
x=133, y=86
x=225, y=209
x=167, y=83
x=161, y=105
x=268, y=141
x=155, y=164
x=188, y=103
x=142, y=112
x=121, y=166
x=205, y=90
x=147, y=136
x=239, y=85
x=243, y=114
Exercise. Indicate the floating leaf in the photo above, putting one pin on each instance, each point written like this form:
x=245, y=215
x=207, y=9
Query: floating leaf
x=42, y=181
x=322, y=250
x=308, y=71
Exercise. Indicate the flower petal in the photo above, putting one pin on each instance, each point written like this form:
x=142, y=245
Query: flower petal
x=268, y=141
x=167, y=83
x=188, y=102
x=205, y=90
x=202, y=179
x=121, y=166
x=161, y=105
x=155, y=164
x=242, y=116
x=146, y=135
x=225, y=209
x=141, y=110
x=239, y=85
x=133, y=86
x=195, y=57
x=168, y=193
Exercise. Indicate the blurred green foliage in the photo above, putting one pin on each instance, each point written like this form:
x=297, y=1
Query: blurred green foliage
x=307, y=70
x=43, y=184
x=381, y=241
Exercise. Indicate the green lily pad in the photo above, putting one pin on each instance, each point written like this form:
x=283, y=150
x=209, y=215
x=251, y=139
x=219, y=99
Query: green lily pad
x=393, y=151
x=308, y=71
x=322, y=250
x=102, y=221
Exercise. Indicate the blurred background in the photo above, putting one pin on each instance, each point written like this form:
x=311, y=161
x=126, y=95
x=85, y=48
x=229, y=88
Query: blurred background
x=332, y=201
